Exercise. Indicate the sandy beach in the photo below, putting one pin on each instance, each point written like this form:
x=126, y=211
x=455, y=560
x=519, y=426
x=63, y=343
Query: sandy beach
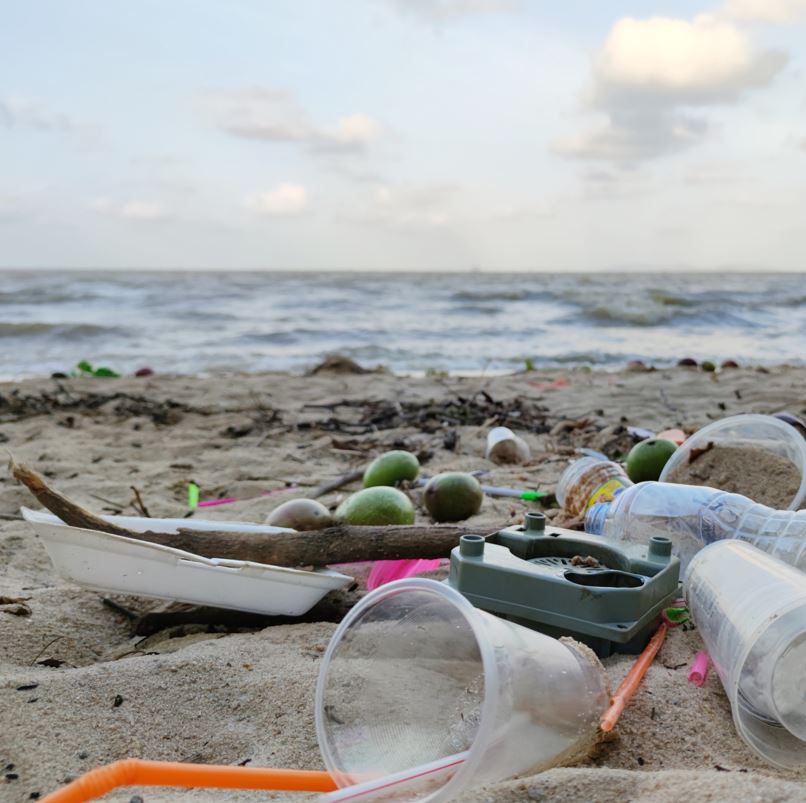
x=198, y=693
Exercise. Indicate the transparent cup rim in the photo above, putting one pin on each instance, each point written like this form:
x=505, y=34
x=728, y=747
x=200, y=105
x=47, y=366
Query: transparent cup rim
x=489, y=705
x=786, y=431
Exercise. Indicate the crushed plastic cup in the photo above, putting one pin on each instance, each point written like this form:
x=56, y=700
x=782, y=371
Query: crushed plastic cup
x=764, y=432
x=751, y=612
x=504, y=446
x=589, y=480
x=421, y=695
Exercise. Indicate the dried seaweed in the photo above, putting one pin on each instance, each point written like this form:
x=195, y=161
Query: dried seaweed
x=429, y=416
x=16, y=406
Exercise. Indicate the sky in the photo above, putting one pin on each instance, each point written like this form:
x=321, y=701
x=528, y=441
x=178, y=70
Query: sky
x=512, y=135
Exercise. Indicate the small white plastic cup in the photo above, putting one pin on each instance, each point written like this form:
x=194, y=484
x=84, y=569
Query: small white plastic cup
x=751, y=612
x=758, y=431
x=504, y=446
x=416, y=679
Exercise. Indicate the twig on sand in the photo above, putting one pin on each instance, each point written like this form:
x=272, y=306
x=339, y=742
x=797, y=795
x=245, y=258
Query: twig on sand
x=121, y=609
x=138, y=503
x=339, y=482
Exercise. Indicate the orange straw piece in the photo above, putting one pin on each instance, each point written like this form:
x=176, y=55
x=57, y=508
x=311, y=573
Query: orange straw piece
x=136, y=772
x=633, y=680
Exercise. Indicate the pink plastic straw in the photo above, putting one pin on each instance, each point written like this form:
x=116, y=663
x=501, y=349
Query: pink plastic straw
x=699, y=669
x=384, y=571
x=228, y=500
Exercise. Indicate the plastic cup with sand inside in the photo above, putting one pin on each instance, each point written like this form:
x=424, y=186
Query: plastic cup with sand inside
x=421, y=696
x=779, y=442
x=751, y=612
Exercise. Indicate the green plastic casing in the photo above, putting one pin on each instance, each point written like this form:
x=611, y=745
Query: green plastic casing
x=568, y=583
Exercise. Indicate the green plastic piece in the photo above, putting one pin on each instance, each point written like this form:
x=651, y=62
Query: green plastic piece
x=567, y=583
x=193, y=496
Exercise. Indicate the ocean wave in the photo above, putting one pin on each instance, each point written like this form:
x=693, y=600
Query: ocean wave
x=67, y=331
x=492, y=295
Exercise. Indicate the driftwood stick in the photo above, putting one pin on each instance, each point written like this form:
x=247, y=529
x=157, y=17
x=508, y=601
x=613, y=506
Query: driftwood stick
x=333, y=607
x=339, y=482
x=339, y=544
x=69, y=512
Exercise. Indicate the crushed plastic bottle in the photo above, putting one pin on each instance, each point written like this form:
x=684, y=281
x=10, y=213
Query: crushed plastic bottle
x=695, y=516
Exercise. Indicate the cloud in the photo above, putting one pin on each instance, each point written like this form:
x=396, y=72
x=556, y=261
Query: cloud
x=25, y=114
x=443, y=10
x=651, y=71
x=142, y=210
x=285, y=199
x=703, y=61
x=779, y=12
x=273, y=115
x=413, y=207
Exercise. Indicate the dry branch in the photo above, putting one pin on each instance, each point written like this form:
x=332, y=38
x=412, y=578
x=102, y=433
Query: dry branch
x=339, y=544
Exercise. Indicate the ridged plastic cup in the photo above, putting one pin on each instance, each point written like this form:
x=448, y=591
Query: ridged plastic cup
x=415, y=678
x=757, y=431
x=751, y=612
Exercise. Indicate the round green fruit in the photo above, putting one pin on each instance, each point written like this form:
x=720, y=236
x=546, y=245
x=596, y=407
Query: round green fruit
x=452, y=496
x=376, y=506
x=647, y=459
x=391, y=468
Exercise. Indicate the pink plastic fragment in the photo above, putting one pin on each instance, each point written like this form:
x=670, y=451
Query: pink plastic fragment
x=384, y=571
x=228, y=500
x=699, y=669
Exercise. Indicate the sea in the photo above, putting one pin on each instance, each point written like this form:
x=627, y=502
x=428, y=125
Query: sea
x=472, y=323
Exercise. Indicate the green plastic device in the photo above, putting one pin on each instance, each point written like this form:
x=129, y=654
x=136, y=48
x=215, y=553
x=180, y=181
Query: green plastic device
x=568, y=583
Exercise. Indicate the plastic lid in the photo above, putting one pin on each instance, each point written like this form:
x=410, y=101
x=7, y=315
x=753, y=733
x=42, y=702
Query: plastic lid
x=759, y=431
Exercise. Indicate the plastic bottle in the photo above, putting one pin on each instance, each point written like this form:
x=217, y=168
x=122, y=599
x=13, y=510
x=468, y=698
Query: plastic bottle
x=695, y=516
x=588, y=480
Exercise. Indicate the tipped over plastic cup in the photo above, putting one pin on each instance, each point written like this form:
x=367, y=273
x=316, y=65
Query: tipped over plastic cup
x=764, y=432
x=421, y=696
x=751, y=612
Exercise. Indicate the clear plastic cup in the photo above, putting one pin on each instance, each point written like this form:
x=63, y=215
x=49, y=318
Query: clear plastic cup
x=756, y=431
x=751, y=612
x=427, y=693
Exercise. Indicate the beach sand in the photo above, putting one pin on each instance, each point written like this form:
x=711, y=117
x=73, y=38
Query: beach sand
x=203, y=695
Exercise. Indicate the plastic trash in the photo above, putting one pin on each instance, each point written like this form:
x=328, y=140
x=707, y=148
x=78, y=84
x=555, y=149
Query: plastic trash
x=420, y=690
x=113, y=563
x=699, y=669
x=588, y=480
x=504, y=446
x=387, y=571
x=764, y=432
x=694, y=516
x=751, y=612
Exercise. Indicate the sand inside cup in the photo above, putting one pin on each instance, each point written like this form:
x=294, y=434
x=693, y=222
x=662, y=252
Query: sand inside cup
x=758, y=474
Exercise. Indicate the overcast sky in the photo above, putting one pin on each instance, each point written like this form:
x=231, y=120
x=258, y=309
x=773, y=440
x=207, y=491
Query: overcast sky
x=403, y=134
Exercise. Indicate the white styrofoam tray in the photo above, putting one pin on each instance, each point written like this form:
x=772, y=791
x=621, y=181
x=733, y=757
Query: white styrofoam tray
x=120, y=565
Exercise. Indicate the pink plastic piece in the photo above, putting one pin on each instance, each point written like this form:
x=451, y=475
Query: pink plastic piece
x=228, y=500
x=699, y=669
x=384, y=571
x=555, y=385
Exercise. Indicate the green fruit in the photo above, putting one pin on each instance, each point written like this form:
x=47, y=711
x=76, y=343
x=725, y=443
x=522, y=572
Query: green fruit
x=647, y=459
x=452, y=496
x=381, y=505
x=391, y=468
x=300, y=514
x=707, y=365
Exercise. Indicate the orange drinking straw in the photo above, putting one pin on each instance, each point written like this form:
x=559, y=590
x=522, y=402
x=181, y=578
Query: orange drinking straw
x=633, y=680
x=135, y=772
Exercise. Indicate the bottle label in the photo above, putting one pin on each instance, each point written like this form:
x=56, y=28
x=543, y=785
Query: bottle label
x=604, y=493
